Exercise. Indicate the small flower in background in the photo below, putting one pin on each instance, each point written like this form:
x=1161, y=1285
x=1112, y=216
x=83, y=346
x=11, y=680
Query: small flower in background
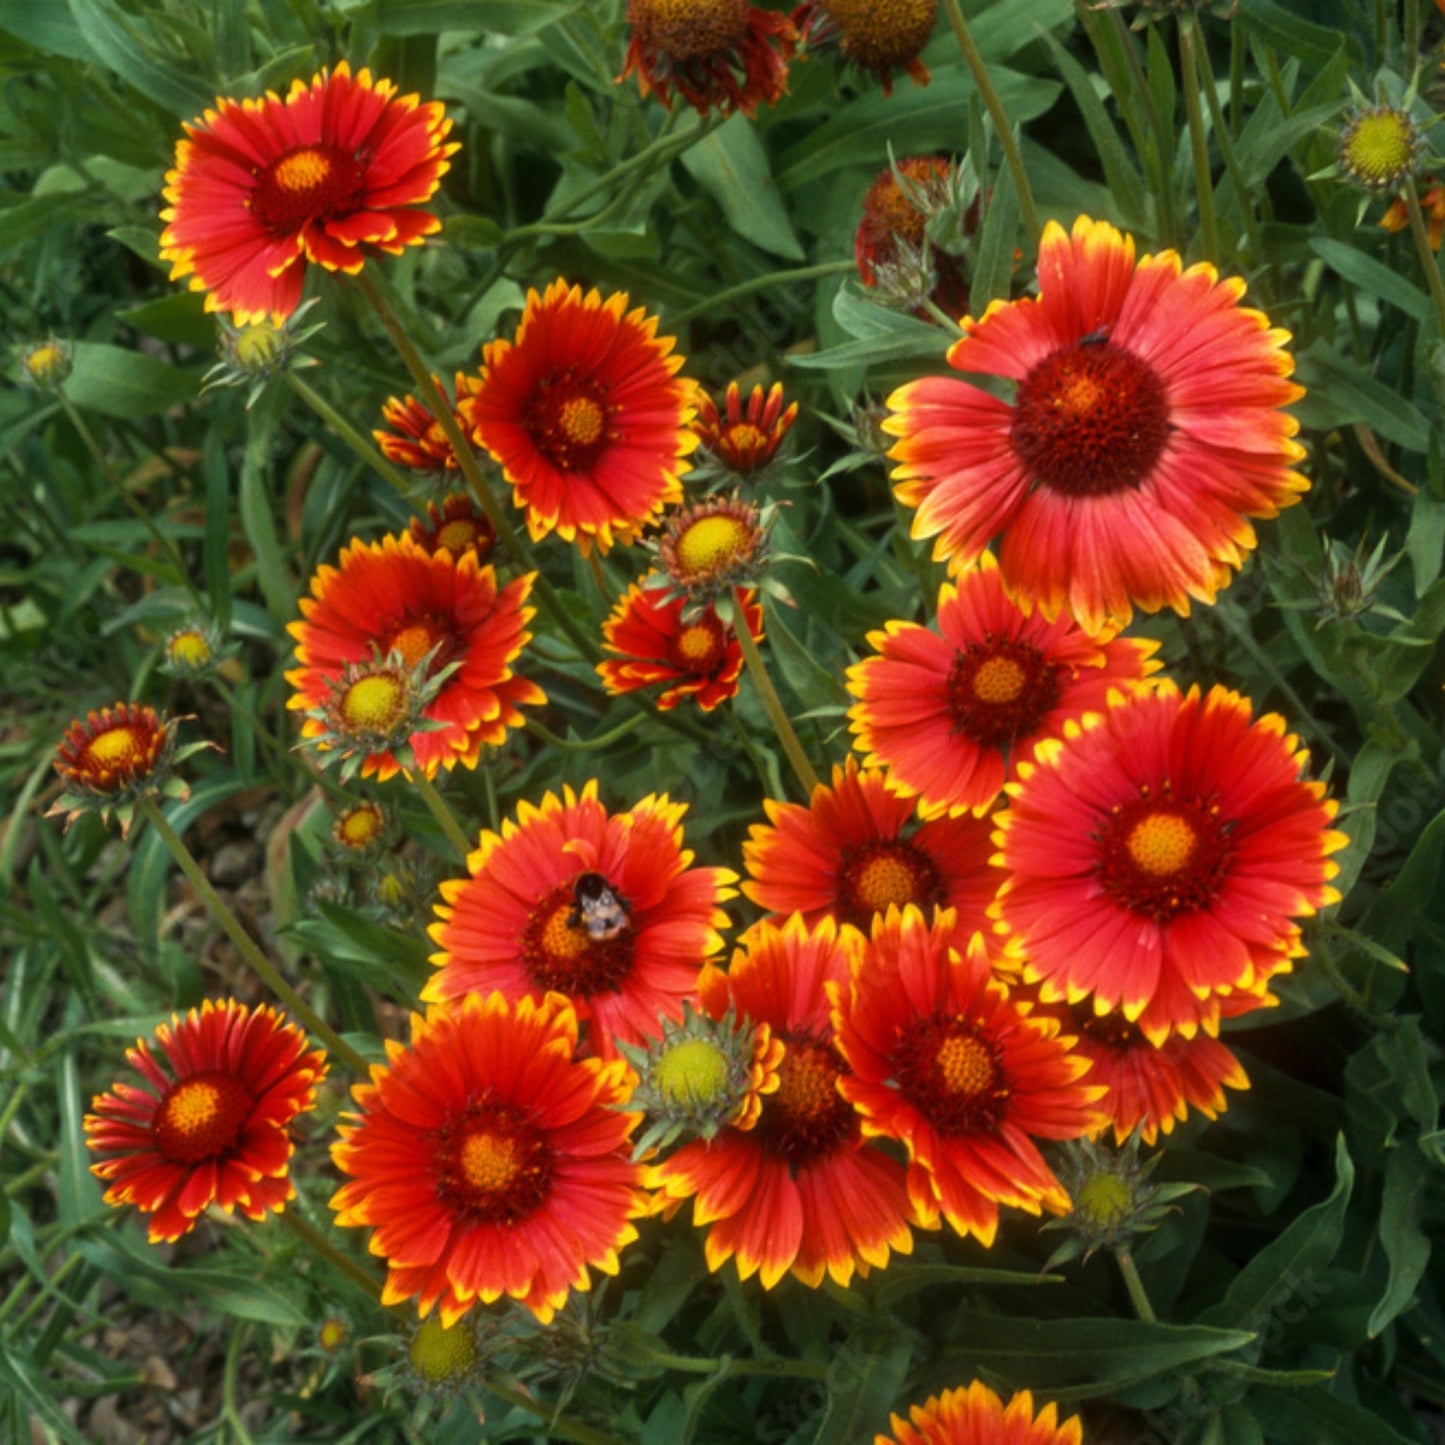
x=395, y=631
x=1397, y=214
x=458, y=526
x=443, y=1356
x=976, y=1416
x=332, y=1334
x=488, y=1160
x=853, y=852
x=210, y=1124
x=738, y=442
x=1349, y=581
x=586, y=416
x=603, y=908
x=881, y=36
x=1380, y=147
x=416, y=438
x=361, y=832
x=253, y=353
x=1159, y=855
x=115, y=757
x=712, y=547
x=1113, y=1201
x=802, y=1191
x=660, y=638
x=263, y=187
x=717, y=54
x=950, y=714
x=945, y=1061
x=46, y=364
x=700, y=1075
x=195, y=650
x=1145, y=430
x=915, y=220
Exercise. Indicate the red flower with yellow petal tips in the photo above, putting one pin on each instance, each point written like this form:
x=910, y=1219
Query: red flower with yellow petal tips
x=586, y=416
x=950, y=713
x=489, y=1160
x=852, y=854
x=964, y=1076
x=801, y=1191
x=416, y=438
x=744, y=440
x=1159, y=857
x=714, y=53
x=1144, y=431
x=657, y=640
x=393, y=597
x=603, y=908
x=210, y=1122
x=331, y=174
x=458, y=525
x=976, y=1416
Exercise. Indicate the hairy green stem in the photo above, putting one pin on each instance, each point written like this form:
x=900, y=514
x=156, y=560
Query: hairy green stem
x=368, y=454
x=999, y=116
x=510, y=539
x=1198, y=139
x=1137, y=1295
x=230, y=925
x=446, y=820
x=772, y=703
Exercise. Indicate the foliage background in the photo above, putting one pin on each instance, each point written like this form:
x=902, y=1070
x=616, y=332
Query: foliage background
x=1298, y=1297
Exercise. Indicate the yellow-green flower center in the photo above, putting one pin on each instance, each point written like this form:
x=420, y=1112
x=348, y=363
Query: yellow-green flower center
x=711, y=543
x=376, y=703
x=1104, y=1201
x=258, y=346
x=359, y=827
x=439, y=1354
x=47, y=363
x=692, y=1073
x=189, y=648
x=1161, y=843
x=1378, y=148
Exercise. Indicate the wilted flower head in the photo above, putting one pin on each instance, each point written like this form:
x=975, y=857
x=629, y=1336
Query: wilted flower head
x=878, y=35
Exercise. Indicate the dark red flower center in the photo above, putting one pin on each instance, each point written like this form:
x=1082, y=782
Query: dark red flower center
x=950, y=1073
x=116, y=755
x=882, y=873
x=492, y=1163
x=689, y=29
x=417, y=634
x=999, y=692
x=1160, y=857
x=1090, y=419
x=309, y=183
x=559, y=952
x=807, y=1119
x=569, y=419
x=700, y=647
x=201, y=1117
x=1110, y=1031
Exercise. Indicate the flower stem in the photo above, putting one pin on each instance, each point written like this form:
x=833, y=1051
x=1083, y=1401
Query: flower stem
x=586, y=745
x=1198, y=140
x=1428, y=261
x=431, y=398
x=318, y=1243
x=772, y=704
x=231, y=926
x=998, y=115
x=759, y=283
x=446, y=820
x=369, y=455
x=1135, y=1286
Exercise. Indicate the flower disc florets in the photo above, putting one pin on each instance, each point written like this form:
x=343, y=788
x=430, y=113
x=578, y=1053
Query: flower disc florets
x=877, y=35
x=702, y=1075
x=195, y=651
x=458, y=526
x=253, y=353
x=1380, y=148
x=361, y=832
x=742, y=443
x=443, y=1356
x=712, y=547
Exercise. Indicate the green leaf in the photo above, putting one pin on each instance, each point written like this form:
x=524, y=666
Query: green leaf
x=731, y=165
x=28, y=218
x=506, y=17
x=123, y=383
x=1406, y=1245
x=1425, y=541
x=49, y=28
x=180, y=317
x=79, y=1194
x=1290, y=34
x=1315, y=1417
x=1281, y=1268
x=1373, y=276
x=903, y=1279
x=108, y=33
x=22, y=1377
x=1340, y=392
x=259, y=509
x=863, y=1385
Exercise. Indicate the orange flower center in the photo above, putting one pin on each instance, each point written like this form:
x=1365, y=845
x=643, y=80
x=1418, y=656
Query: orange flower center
x=1090, y=420
x=312, y=183
x=123, y=751
x=568, y=420
x=462, y=534
x=882, y=34
x=712, y=544
x=493, y=1164
x=877, y=874
x=807, y=1118
x=377, y=703
x=688, y=29
x=999, y=693
x=1159, y=857
x=950, y=1073
x=701, y=648
x=201, y=1117
x=414, y=637
x=359, y=827
x=559, y=953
